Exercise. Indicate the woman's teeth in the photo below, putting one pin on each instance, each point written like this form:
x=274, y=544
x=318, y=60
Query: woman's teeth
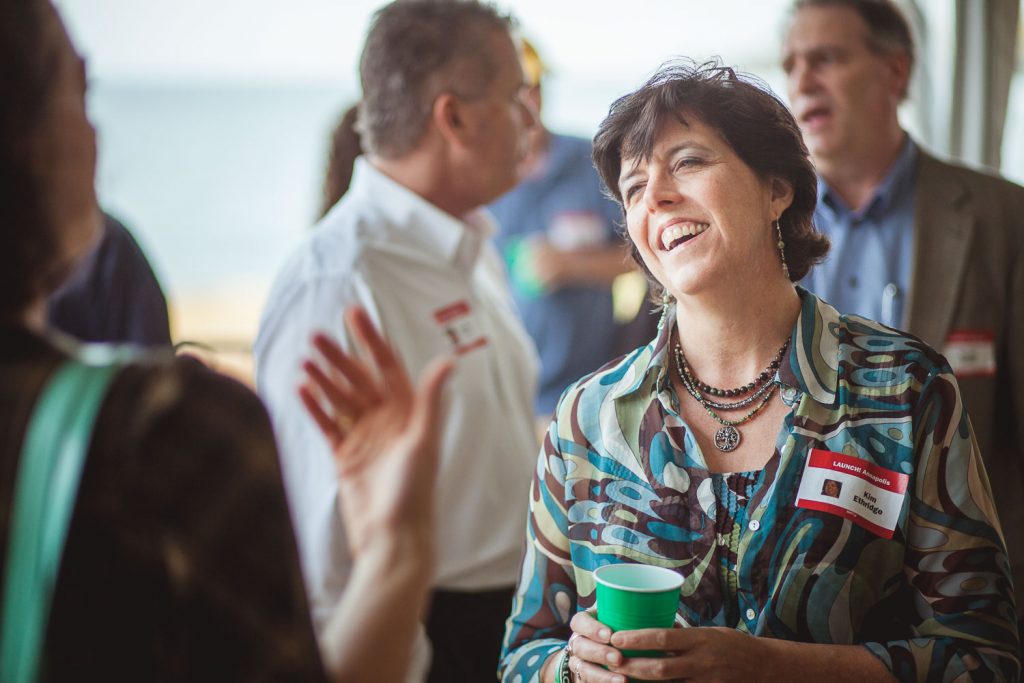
x=679, y=233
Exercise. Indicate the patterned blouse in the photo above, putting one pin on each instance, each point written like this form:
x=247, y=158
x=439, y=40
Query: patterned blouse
x=621, y=479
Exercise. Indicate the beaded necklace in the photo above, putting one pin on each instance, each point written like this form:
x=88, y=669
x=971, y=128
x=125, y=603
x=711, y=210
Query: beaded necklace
x=727, y=438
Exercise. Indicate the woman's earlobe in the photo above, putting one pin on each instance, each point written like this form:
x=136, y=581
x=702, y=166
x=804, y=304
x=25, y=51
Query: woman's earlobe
x=782, y=193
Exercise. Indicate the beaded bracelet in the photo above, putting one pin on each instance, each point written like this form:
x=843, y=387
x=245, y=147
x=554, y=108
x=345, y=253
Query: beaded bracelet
x=564, y=675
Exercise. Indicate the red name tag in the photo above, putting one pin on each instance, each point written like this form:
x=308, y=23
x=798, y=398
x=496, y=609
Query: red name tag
x=971, y=353
x=460, y=326
x=854, y=489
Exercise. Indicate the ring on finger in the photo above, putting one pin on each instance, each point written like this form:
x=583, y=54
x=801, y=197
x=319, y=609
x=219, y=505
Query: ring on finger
x=579, y=674
x=344, y=421
x=569, y=644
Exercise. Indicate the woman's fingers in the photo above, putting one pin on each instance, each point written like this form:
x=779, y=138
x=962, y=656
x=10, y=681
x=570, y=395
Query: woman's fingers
x=342, y=392
x=346, y=403
x=590, y=641
x=599, y=653
x=673, y=643
x=391, y=369
x=348, y=368
x=659, y=668
x=584, y=671
x=425, y=425
x=330, y=428
x=660, y=639
x=587, y=626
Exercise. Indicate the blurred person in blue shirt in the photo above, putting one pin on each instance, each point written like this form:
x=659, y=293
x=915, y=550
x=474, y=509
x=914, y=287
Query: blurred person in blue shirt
x=557, y=232
x=113, y=294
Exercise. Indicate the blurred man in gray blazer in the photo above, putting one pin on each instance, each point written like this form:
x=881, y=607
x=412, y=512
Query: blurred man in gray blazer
x=919, y=244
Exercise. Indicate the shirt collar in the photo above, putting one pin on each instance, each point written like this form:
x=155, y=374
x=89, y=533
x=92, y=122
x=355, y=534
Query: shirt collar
x=647, y=361
x=434, y=230
x=811, y=366
x=898, y=180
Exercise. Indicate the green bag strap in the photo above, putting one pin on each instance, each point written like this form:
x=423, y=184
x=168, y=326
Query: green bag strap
x=46, y=487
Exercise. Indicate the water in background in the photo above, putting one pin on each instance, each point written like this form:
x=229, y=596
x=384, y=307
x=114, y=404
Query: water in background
x=221, y=183
x=218, y=184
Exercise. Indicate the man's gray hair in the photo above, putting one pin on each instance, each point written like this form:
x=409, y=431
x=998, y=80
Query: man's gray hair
x=888, y=31
x=416, y=50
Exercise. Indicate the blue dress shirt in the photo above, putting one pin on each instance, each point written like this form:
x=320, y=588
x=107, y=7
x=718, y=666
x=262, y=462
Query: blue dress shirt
x=573, y=326
x=867, y=271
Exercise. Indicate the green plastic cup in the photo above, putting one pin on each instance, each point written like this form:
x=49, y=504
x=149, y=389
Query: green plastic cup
x=633, y=596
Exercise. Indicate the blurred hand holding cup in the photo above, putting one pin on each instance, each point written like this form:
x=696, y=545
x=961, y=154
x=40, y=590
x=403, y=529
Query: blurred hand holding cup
x=635, y=596
x=519, y=259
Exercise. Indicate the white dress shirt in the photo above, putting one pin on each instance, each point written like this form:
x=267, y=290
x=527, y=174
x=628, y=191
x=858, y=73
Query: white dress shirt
x=434, y=285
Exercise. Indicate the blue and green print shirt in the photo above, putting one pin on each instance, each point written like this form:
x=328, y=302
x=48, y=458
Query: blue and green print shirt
x=620, y=478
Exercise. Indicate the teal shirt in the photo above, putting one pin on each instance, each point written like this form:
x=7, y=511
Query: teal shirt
x=620, y=478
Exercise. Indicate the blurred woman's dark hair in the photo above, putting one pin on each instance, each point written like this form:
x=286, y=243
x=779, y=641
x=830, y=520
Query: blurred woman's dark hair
x=748, y=116
x=345, y=147
x=29, y=238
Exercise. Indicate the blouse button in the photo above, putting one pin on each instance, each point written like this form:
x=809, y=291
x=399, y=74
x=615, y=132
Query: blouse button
x=751, y=614
x=754, y=525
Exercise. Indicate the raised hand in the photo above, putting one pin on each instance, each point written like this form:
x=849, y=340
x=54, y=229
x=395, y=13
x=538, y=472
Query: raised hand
x=383, y=432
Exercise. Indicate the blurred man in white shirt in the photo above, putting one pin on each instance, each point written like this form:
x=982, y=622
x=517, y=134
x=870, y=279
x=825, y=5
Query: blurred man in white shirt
x=444, y=126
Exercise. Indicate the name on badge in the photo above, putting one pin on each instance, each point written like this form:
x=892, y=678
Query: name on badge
x=862, y=492
x=460, y=326
x=971, y=353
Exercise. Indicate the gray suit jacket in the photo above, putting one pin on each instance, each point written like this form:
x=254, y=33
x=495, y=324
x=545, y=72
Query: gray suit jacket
x=968, y=274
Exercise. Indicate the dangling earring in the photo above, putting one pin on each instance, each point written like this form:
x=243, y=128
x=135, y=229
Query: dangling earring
x=782, y=248
x=666, y=302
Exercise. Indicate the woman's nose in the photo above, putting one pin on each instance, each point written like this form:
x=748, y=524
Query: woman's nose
x=661, y=191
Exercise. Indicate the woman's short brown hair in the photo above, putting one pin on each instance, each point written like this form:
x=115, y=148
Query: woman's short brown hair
x=749, y=117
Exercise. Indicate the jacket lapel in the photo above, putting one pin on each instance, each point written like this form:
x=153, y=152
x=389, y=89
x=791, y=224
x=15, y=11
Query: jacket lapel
x=943, y=226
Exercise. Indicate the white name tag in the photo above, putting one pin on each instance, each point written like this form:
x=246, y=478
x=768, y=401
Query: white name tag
x=458, y=324
x=576, y=230
x=854, y=489
x=971, y=353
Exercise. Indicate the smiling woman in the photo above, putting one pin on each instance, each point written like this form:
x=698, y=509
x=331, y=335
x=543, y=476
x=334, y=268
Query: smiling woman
x=770, y=149
x=782, y=457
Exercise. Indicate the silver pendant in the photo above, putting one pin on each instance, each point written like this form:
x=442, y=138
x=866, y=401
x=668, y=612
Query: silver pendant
x=727, y=438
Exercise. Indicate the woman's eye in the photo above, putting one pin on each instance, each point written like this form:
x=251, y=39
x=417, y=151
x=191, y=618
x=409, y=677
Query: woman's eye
x=632, y=191
x=688, y=162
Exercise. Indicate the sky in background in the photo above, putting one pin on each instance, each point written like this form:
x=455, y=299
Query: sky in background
x=214, y=115
x=589, y=44
x=320, y=39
